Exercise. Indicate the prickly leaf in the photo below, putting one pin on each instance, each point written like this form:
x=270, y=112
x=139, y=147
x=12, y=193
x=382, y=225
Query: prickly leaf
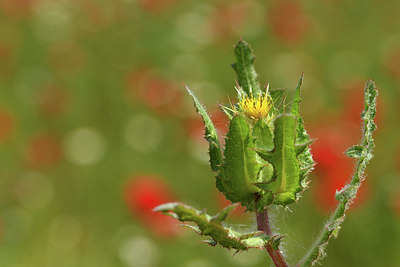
x=354, y=151
x=240, y=167
x=283, y=157
x=212, y=226
x=244, y=67
x=305, y=157
x=263, y=135
x=210, y=134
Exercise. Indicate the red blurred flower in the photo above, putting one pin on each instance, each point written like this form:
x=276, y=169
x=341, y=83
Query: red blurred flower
x=7, y=52
x=17, y=8
x=142, y=194
x=288, y=21
x=333, y=167
x=156, y=6
x=155, y=91
x=391, y=62
x=44, y=150
x=396, y=203
x=66, y=58
x=7, y=124
x=228, y=17
x=52, y=100
x=96, y=14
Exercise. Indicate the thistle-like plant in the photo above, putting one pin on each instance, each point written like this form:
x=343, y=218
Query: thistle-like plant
x=266, y=161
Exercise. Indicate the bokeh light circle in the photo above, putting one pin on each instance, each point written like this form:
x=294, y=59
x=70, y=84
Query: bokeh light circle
x=199, y=263
x=143, y=133
x=139, y=251
x=65, y=231
x=84, y=146
x=33, y=191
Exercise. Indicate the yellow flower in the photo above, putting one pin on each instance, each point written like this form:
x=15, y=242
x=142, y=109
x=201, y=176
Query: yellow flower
x=256, y=107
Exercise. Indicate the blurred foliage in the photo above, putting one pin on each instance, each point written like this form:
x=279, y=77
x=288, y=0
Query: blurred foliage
x=94, y=123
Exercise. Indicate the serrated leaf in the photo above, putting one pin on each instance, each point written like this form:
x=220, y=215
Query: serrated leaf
x=348, y=192
x=240, y=167
x=244, y=67
x=295, y=107
x=354, y=151
x=209, y=226
x=300, y=148
x=263, y=135
x=210, y=134
x=284, y=160
x=264, y=140
x=305, y=157
x=266, y=174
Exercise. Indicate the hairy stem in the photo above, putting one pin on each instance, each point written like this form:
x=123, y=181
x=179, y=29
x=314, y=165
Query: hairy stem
x=263, y=225
x=363, y=154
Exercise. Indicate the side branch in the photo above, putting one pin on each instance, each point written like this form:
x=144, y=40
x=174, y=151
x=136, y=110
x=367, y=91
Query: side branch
x=363, y=153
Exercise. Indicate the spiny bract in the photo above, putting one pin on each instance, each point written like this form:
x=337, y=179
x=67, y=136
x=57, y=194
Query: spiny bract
x=266, y=155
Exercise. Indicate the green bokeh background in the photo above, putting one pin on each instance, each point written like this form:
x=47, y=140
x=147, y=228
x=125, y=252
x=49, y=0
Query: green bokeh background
x=91, y=98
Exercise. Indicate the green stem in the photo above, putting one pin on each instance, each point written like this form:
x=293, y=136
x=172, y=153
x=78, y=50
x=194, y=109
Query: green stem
x=331, y=229
x=363, y=153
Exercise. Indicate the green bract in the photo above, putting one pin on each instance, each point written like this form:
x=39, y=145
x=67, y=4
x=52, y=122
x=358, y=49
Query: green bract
x=266, y=156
